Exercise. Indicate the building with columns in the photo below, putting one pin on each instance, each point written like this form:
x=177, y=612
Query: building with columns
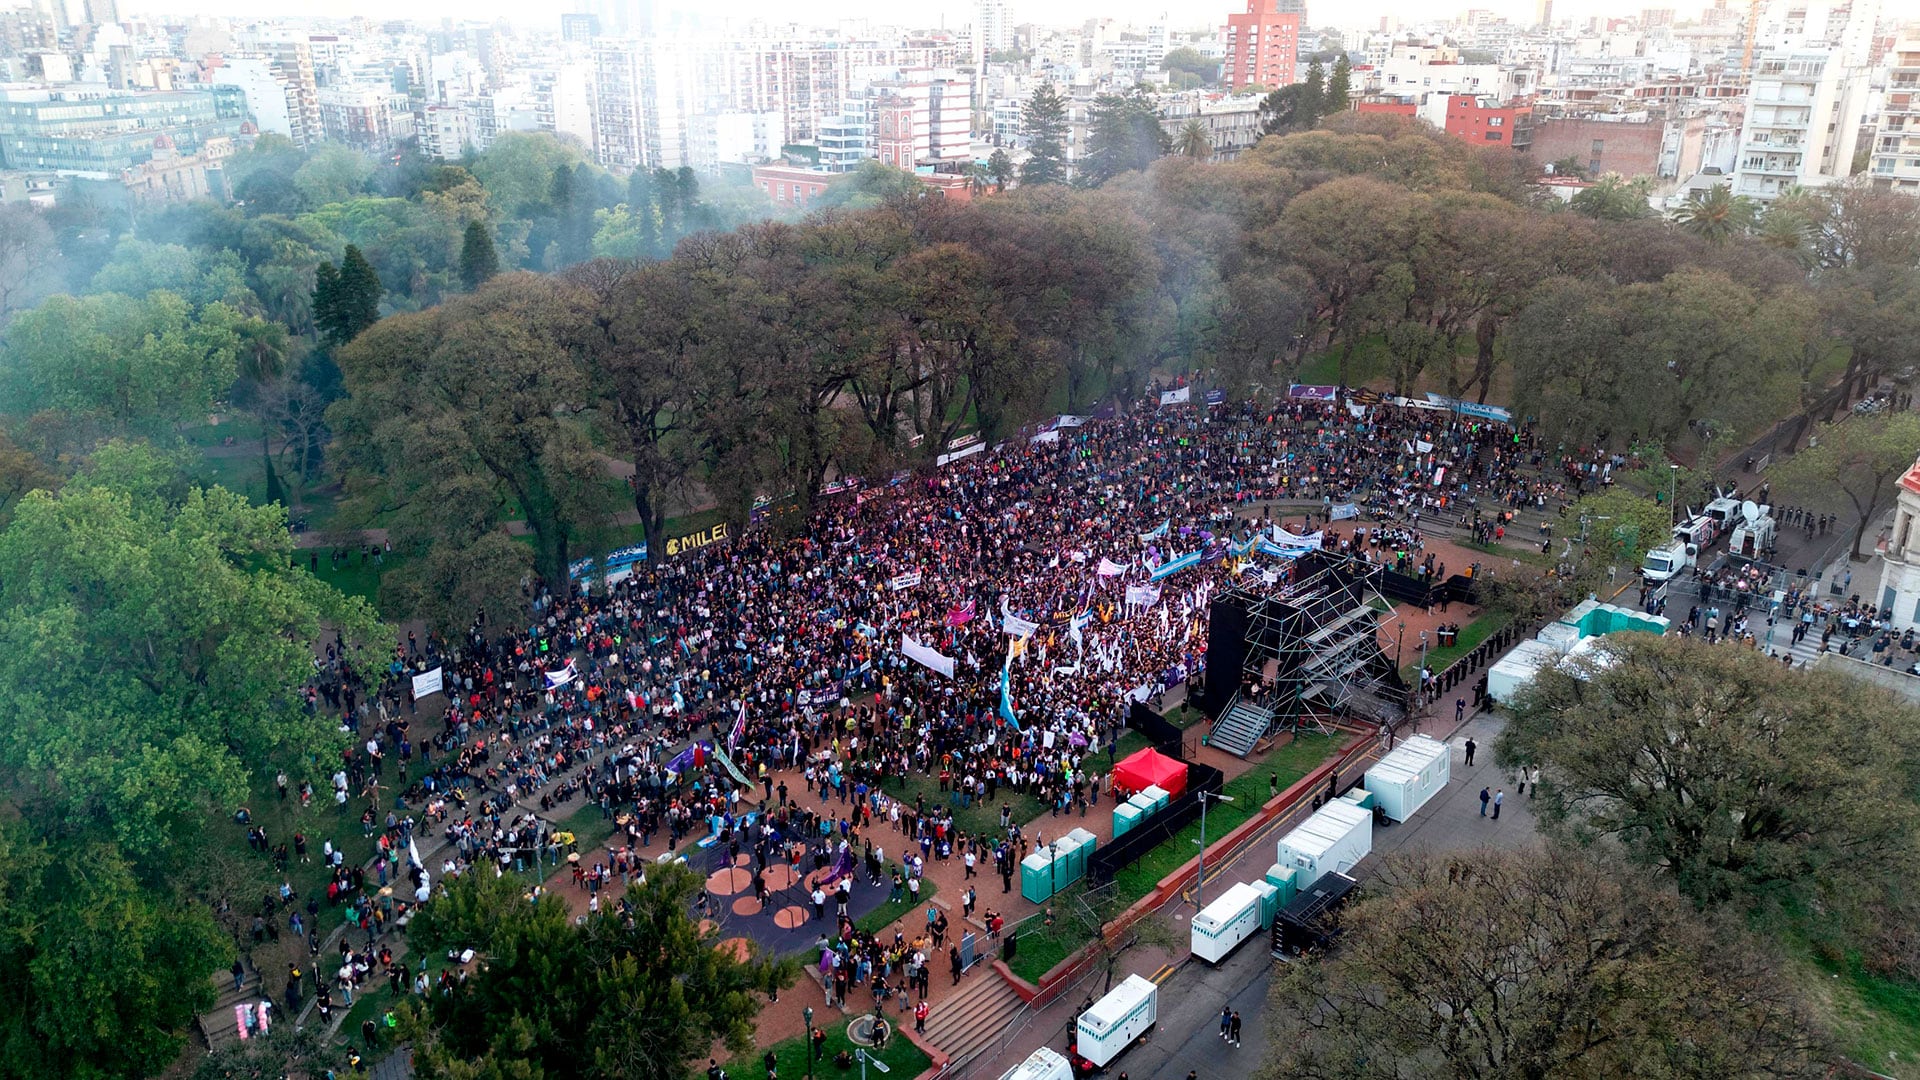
x=1900, y=558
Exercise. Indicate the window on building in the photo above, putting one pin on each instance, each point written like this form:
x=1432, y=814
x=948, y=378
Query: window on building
x=1496, y=121
x=1597, y=147
x=1494, y=136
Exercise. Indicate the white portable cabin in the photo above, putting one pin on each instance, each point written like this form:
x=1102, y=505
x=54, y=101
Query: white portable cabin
x=1115, y=1021
x=1414, y=772
x=1336, y=837
x=1045, y=1063
x=1516, y=669
x=1226, y=923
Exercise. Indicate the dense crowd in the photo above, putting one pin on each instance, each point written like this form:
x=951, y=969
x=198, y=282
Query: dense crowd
x=790, y=652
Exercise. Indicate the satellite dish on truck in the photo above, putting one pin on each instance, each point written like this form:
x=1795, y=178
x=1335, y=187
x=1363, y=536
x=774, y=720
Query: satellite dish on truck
x=1750, y=510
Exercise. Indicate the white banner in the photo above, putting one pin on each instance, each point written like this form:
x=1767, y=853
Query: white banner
x=1017, y=626
x=1109, y=568
x=924, y=655
x=1177, y=397
x=1423, y=446
x=1069, y=421
x=430, y=683
x=556, y=679
x=1143, y=595
x=1284, y=539
x=1343, y=511
x=1358, y=411
x=1046, y=436
x=904, y=581
x=948, y=459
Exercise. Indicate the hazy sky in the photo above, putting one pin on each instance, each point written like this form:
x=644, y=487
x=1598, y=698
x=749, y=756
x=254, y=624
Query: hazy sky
x=1186, y=13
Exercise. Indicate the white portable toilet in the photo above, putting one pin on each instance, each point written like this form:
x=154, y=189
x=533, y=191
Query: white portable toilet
x=1333, y=840
x=1414, y=772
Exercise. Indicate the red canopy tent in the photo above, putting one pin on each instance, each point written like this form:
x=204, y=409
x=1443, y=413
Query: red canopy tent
x=1150, y=768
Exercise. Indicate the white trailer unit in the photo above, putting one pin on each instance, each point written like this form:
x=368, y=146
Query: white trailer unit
x=1115, y=1021
x=1044, y=1064
x=1414, y=772
x=1336, y=837
x=1226, y=923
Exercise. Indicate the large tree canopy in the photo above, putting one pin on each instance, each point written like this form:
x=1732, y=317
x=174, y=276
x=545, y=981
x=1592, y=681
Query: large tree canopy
x=634, y=992
x=1721, y=767
x=1525, y=965
x=155, y=640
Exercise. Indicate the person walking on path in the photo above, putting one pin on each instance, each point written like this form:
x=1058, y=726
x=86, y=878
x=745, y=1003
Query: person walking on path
x=953, y=957
x=920, y=1012
x=1233, y=1030
x=1470, y=749
x=1460, y=715
x=1533, y=781
x=1226, y=1019
x=1485, y=797
x=1498, y=798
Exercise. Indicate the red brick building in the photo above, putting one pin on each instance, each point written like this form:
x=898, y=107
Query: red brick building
x=1262, y=43
x=1472, y=117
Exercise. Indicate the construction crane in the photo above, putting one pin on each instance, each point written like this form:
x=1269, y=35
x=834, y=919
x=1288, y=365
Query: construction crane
x=1753, y=29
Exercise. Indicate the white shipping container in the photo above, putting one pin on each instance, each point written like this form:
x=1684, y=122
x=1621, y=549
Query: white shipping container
x=1226, y=923
x=1333, y=840
x=1044, y=1064
x=1115, y=1021
x=1414, y=772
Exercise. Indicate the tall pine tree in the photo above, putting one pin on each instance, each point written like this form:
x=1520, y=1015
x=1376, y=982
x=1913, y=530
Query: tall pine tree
x=1339, y=87
x=1044, y=123
x=1313, y=95
x=478, y=259
x=346, y=298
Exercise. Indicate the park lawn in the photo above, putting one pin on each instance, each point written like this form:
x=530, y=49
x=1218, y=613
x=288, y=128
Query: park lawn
x=1184, y=716
x=589, y=827
x=903, y=1059
x=980, y=819
x=1367, y=365
x=1874, y=1018
x=1525, y=553
x=1042, y=948
x=888, y=913
x=1471, y=635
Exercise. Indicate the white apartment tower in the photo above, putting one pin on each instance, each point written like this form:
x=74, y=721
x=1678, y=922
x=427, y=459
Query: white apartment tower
x=992, y=29
x=643, y=99
x=1802, y=123
x=1895, y=160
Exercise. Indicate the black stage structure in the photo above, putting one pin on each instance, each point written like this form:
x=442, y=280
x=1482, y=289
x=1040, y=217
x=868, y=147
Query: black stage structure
x=1297, y=645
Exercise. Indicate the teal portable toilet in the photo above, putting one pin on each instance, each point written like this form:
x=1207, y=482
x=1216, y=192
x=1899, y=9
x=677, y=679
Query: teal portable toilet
x=1037, y=879
x=1269, y=902
x=1084, y=843
x=1281, y=877
x=1125, y=817
x=1143, y=802
x=1158, y=796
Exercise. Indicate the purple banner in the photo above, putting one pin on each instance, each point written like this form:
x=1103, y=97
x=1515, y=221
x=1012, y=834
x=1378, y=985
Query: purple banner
x=1305, y=392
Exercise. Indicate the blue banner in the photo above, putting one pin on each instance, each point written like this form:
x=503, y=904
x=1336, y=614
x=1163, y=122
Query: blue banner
x=1343, y=511
x=1473, y=409
x=1006, y=700
x=1268, y=547
x=1216, y=397
x=617, y=559
x=1175, y=565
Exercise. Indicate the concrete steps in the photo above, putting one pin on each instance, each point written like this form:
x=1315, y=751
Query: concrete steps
x=976, y=1018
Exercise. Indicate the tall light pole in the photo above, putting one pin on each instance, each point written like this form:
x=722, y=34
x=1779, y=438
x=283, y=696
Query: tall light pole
x=1673, y=478
x=1199, y=882
x=807, y=1013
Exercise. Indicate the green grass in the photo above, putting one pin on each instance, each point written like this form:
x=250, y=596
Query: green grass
x=886, y=914
x=1184, y=716
x=1525, y=553
x=1043, y=948
x=903, y=1059
x=588, y=827
x=980, y=819
x=1368, y=364
x=1471, y=635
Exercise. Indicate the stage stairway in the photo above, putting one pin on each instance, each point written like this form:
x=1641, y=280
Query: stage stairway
x=1239, y=728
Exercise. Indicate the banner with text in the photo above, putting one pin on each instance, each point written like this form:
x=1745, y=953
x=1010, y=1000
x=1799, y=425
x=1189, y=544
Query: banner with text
x=431, y=682
x=926, y=656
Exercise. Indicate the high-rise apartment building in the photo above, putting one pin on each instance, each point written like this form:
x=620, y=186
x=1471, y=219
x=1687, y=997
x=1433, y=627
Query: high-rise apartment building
x=1895, y=160
x=1262, y=44
x=644, y=96
x=992, y=29
x=1802, y=122
x=279, y=83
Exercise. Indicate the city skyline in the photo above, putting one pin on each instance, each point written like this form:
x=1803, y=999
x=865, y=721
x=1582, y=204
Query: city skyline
x=950, y=14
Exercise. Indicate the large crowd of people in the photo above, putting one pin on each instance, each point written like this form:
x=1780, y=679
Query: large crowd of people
x=1025, y=574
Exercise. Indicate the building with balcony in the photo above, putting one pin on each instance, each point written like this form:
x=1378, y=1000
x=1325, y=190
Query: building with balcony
x=90, y=129
x=1802, y=123
x=1263, y=44
x=1895, y=158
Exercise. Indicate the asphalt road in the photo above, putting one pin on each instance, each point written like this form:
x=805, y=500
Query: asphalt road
x=1187, y=1037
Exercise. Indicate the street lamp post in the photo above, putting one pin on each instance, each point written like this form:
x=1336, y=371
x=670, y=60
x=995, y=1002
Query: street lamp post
x=1200, y=881
x=1423, y=663
x=1673, y=477
x=807, y=1013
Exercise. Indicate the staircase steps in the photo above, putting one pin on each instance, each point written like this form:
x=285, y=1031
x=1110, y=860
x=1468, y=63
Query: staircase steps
x=964, y=1025
x=1240, y=728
